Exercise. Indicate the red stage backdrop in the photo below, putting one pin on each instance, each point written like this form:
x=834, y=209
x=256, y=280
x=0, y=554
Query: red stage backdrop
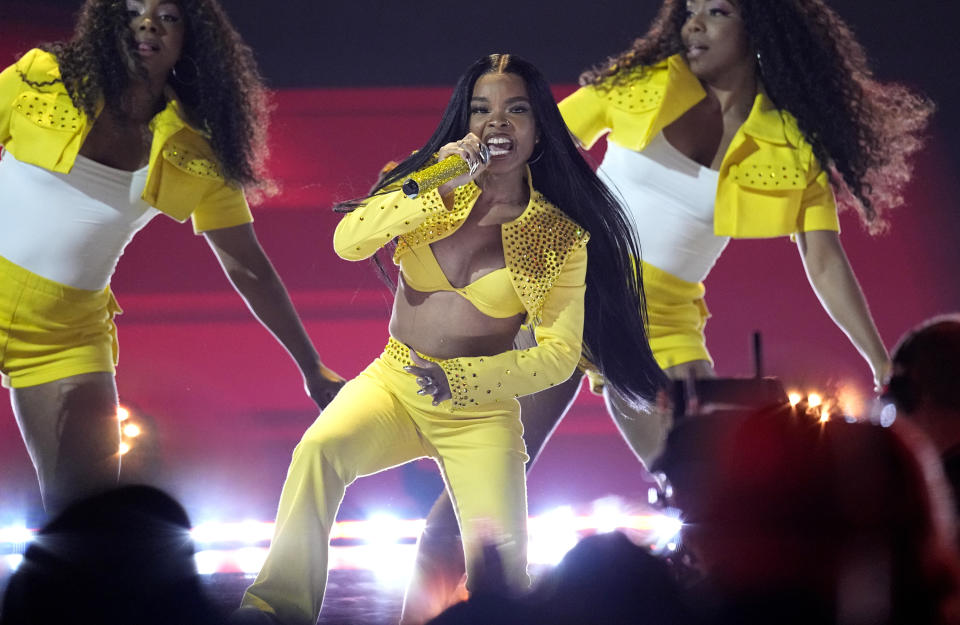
x=223, y=406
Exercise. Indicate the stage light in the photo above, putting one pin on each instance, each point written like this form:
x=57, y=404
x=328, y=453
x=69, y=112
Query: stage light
x=13, y=561
x=382, y=529
x=552, y=535
x=850, y=401
x=124, y=447
x=824, y=415
x=888, y=414
x=253, y=532
x=247, y=532
x=250, y=559
x=665, y=530
x=383, y=545
x=208, y=561
x=814, y=400
x=122, y=413
x=561, y=517
x=392, y=564
x=203, y=533
x=360, y=530
x=15, y=535
x=131, y=430
x=794, y=397
x=608, y=515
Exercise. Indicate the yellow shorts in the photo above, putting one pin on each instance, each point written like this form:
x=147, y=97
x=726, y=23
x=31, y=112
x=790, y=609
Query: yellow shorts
x=50, y=331
x=677, y=316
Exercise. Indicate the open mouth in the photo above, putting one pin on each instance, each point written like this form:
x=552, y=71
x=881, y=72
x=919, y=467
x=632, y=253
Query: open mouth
x=147, y=48
x=695, y=51
x=499, y=145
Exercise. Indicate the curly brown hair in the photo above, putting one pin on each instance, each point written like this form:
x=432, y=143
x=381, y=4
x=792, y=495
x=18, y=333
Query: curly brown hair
x=216, y=79
x=811, y=66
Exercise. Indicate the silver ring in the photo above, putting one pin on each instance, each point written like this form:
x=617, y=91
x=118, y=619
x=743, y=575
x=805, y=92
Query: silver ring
x=425, y=381
x=483, y=152
x=474, y=166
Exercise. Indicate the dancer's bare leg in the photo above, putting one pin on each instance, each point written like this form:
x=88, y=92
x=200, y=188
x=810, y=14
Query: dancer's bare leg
x=72, y=433
x=439, y=566
x=646, y=431
x=699, y=368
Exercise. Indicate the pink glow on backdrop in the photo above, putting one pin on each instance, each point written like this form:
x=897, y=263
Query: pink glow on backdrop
x=227, y=404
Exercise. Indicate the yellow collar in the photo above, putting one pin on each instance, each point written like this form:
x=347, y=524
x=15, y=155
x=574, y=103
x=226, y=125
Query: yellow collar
x=764, y=122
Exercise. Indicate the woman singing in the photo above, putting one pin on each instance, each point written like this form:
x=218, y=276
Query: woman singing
x=496, y=248
x=728, y=119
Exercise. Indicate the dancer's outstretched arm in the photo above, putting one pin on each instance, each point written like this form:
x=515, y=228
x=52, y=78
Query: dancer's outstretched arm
x=253, y=276
x=832, y=279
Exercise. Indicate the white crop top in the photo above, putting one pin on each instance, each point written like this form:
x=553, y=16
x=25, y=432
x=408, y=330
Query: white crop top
x=70, y=228
x=670, y=199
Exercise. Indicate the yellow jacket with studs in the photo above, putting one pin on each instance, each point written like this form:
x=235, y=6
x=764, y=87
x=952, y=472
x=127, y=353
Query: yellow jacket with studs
x=545, y=253
x=770, y=183
x=40, y=125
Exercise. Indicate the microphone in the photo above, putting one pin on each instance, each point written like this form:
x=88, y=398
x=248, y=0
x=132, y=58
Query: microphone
x=429, y=178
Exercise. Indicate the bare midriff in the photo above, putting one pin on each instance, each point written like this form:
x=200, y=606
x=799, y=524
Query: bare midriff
x=444, y=324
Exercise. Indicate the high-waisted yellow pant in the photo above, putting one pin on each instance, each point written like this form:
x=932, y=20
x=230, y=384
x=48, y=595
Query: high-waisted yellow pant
x=378, y=421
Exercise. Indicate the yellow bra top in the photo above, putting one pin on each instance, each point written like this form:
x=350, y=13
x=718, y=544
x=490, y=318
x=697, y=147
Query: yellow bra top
x=492, y=294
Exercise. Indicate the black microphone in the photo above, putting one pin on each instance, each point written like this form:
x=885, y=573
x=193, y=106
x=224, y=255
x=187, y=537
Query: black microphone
x=429, y=178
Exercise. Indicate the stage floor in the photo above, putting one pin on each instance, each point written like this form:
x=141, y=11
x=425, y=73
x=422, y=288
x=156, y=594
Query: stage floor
x=354, y=597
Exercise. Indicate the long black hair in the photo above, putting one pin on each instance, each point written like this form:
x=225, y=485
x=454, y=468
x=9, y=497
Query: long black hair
x=614, y=334
x=216, y=78
x=862, y=131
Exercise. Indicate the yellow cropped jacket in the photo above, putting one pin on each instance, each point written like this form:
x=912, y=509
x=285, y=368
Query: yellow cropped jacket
x=545, y=253
x=770, y=182
x=40, y=125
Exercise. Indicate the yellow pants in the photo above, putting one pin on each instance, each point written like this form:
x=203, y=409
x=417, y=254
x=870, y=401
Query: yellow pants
x=377, y=421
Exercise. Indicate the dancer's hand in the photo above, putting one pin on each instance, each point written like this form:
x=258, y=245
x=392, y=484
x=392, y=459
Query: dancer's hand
x=881, y=375
x=430, y=377
x=322, y=385
x=468, y=149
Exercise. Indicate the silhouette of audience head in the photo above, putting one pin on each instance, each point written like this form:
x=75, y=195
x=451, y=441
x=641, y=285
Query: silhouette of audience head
x=926, y=368
x=123, y=556
x=793, y=520
x=605, y=578
x=608, y=579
